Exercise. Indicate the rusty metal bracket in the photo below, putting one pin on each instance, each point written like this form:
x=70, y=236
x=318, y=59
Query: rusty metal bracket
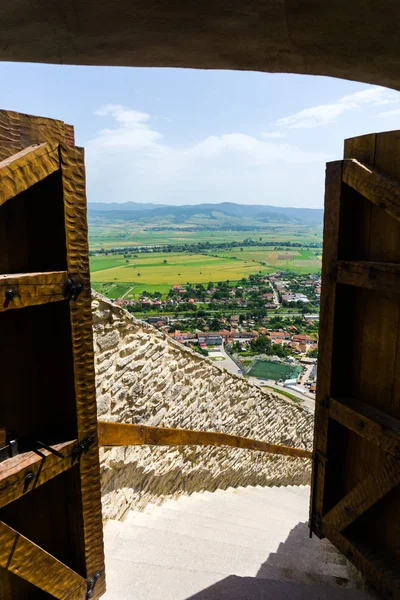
x=91, y=584
x=73, y=289
x=82, y=447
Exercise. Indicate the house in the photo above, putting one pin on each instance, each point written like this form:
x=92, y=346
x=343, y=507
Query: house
x=303, y=339
x=278, y=335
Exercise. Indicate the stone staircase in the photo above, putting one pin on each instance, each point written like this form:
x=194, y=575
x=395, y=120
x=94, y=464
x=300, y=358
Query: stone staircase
x=237, y=544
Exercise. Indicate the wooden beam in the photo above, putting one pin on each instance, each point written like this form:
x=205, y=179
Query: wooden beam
x=20, y=290
x=13, y=471
x=377, y=572
x=369, y=275
x=333, y=196
x=368, y=422
x=22, y=170
x=123, y=434
x=365, y=494
x=30, y=562
x=382, y=190
x=74, y=194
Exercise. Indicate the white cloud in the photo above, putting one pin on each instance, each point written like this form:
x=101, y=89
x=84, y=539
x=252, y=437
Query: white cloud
x=274, y=134
x=389, y=113
x=327, y=113
x=131, y=161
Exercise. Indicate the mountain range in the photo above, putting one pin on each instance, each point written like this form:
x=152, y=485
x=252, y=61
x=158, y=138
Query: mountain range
x=223, y=213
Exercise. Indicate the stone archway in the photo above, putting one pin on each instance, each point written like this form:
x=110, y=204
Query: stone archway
x=353, y=40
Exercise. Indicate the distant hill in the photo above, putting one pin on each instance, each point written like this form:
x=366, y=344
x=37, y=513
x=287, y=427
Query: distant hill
x=203, y=215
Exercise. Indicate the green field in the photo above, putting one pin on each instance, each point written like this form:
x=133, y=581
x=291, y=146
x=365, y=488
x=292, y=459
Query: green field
x=297, y=260
x=127, y=234
x=131, y=274
x=265, y=369
x=180, y=267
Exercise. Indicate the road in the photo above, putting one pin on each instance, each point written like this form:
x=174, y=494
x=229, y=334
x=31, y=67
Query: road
x=306, y=401
x=276, y=297
x=228, y=363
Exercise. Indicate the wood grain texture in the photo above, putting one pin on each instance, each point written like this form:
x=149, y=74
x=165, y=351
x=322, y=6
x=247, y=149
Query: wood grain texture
x=27, y=560
x=370, y=275
x=14, y=470
x=365, y=494
x=382, y=190
x=73, y=179
x=333, y=189
x=376, y=571
x=32, y=289
x=368, y=422
x=18, y=131
x=124, y=434
x=24, y=169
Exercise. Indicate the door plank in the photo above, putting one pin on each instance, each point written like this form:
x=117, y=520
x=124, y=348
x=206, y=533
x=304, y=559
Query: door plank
x=30, y=562
x=29, y=166
x=333, y=191
x=32, y=289
x=370, y=275
x=377, y=572
x=382, y=190
x=365, y=494
x=368, y=422
x=73, y=181
x=14, y=470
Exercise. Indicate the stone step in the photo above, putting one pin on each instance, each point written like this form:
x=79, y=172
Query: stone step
x=138, y=551
x=254, y=515
x=243, y=537
x=261, y=531
x=236, y=544
x=228, y=528
x=236, y=499
x=256, y=553
x=142, y=551
x=229, y=522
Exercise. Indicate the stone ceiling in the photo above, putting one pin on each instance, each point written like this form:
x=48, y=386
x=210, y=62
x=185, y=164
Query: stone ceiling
x=353, y=40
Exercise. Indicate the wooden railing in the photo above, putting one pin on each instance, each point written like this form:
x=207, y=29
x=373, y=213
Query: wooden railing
x=123, y=434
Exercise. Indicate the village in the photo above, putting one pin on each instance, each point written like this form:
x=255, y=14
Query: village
x=264, y=327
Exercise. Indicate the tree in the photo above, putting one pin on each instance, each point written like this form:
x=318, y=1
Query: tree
x=313, y=353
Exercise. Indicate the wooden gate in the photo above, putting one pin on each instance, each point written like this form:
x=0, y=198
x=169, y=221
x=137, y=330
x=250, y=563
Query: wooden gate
x=51, y=542
x=356, y=472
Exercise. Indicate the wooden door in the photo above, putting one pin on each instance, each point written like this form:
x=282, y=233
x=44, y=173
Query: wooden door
x=356, y=494
x=51, y=542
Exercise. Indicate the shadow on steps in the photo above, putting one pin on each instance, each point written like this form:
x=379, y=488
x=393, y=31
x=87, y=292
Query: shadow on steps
x=301, y=569
x=251, y=588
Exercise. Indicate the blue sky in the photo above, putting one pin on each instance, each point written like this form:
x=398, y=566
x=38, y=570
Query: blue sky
x=178, y=136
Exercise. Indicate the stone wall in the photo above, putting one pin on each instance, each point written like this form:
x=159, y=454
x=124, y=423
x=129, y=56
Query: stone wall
x=143, y=376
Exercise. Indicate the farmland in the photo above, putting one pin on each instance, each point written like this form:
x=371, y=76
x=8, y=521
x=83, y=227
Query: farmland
x=118, y=274
x=128, y=234
x=127, y=246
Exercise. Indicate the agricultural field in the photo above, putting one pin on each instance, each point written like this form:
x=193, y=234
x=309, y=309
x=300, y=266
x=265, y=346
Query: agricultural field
x=161, y=270
x=126, y=234
x=129, y=274
x=301, y=261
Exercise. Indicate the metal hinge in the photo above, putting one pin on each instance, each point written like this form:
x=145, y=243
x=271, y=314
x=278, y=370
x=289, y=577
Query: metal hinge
x=319, y=458
x=73, y=289
x=82, y=447
x=91, y=583
x=324, y=402
x=315, y=522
